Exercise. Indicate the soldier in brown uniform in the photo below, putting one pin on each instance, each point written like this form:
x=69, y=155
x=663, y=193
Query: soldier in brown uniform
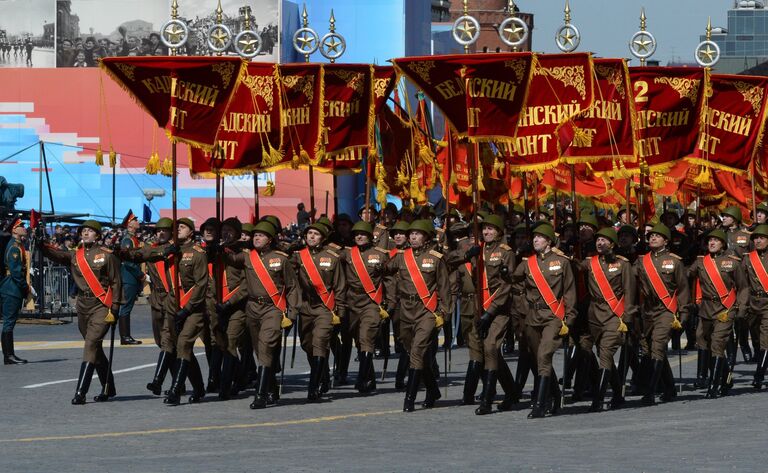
x=739, y=244
x=519, y=310
x=610, y=280
x=96, y=272
x=398, y=237
x=718, y=277
x=365, y=298
x=213, y=338
x=753, y=296
x=551, y=294
x=230, y=295
x=423, y=294
x=321, y=278
x=498, y=264
x=189, y=311
x=665, y=293
x=272, y=291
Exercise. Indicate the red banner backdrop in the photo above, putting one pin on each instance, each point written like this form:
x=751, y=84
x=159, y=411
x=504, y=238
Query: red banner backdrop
x=187, y=96
x=395, y=165
x=302, y=114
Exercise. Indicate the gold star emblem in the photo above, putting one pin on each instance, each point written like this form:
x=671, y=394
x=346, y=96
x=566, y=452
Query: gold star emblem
x=707, y=55
x=306, y=41
x=513, y=32
x=467, y=29
x=248, y=43
x=643, y=44
x=174, y=33
x=332, y=45
x=219, y=37
x=566, y=38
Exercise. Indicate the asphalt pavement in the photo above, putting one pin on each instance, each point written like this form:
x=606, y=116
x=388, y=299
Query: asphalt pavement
x=41, y=431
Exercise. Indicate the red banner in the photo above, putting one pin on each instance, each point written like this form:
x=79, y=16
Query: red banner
x=302, y=114
x=560, y=88
x=586, y=183
x=187, y=96
x=733, y=122
x=604, y=131
x=250, y=133
x=393, y=170
x=668, y=103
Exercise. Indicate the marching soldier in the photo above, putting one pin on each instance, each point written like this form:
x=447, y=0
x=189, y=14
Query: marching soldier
x=753, y=296
x=611, y=282
x=189, y=312
x=365, y=298
x=718, y=276
x=739, y=244
x=214, y=338
x=96, y=272
x=525, y=359
x=272, y=290
x=665, y=293
x=423, y=293
x=13, y=289
x=322, y=282
x=498, y=264
x=133, y=280
x=551, y=294
x=398, y=236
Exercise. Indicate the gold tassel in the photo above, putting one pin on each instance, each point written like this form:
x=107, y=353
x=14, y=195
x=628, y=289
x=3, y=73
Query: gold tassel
x=167, y=167
x=335, y=320
x=99, y=156
x=563, y=329
x=112, y=158
x=622, y=326
x=676, y=325
x=110, y=318
x=723, y=316
x=480, y=178
x=269, y=190
x=704, y=177
x=425, y=154
x=581, y=139
x=417, y=193
x=276, y=154
x=382, y=189
x=439, y=321
x=285, y=322
x=658, y=181
x=265, y=158
x=383, y=314
x=153, y=165
x=304, y=157
x=295, y=161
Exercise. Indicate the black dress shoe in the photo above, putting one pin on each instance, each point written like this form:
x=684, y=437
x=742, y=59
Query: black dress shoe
x=13, y=360
x=129, y=340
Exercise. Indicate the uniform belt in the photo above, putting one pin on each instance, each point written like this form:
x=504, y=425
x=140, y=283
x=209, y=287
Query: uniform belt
x=82, y=293
x=468, y=295
x=710, y=298
x=410, y=297
x=261, y=300
x=540, y=305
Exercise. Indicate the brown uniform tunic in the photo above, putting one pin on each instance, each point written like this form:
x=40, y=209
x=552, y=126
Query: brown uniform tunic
x=159, y=285
x=542, y=326
x=497, y=256
x=90, y=311
x=712, y=334
x=657, y=319
x=381, y=237
x=315, y=326
x=262, y=316
x=193, y=276
x=234, y=294
x=738, y=240
x=753, y=298
x=417, y=323
x=603, y=322
x=463, y=290
x=363, y=312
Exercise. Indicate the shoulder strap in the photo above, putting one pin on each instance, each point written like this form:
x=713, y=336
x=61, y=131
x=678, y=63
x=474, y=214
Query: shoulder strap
x=376, y=293
x=757, y=264
x=616, y=305
x=105, y=296
x=428, y=298
x=328, y=297
x=670, y=302
x=556, y=306
x=278, y=297
x=727, y=298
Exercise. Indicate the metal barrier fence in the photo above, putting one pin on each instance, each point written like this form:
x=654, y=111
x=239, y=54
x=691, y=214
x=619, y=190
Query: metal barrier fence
x=55, y=293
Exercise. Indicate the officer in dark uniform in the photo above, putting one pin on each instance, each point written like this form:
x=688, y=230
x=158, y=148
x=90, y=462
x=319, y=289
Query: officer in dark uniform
x=13, y=289
x=133, y=279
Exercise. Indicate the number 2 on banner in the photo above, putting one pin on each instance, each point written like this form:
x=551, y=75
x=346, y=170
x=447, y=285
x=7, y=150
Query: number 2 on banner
x=641, y=89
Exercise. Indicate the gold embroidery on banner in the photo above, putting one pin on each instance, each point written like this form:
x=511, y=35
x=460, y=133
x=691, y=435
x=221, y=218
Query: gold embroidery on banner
x=306, y=84
x=686, y=88
x=261, y=86
x=226, y=70
x=752, y=94
x=380, y=87
x=569, y=75
x=613, y=76
x=127, y=70
x=581, y=138
x=354, y=80
x=518, y=67
x=422, y=70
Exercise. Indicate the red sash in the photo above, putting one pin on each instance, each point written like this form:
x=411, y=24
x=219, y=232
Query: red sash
x=105, y=296
x=226, y=294
x=616, y=305
x=160, y=267
x=487, y=296
x=376, y=293
x=135, y=241
x=670, y=302
x=328, y=297
x=428, y=298
x=278, y=297
x=556, y=306
x=727, y=298
x=754, y=258
x=184, y=296
x=392, y=252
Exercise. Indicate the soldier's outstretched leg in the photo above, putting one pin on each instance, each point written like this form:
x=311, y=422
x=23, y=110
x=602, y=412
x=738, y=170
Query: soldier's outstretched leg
x=715, y=382
x=414, y=379
x=668, y=379
x=433, y=390
x=489, y=392
x=742, y=332
x=214, y=370
x=83, y=382
x=540, y=402
x=265, y=379
x=179, y=378
x=599, y=397
x=702, y=369
x=319, y=368
x=196, y=379
x=402, y=369
x=510, y=387
x=164, y=359
x=657, y=366
x=106, y=378
x=617, y=398
x=228, y=365
x=474, y=369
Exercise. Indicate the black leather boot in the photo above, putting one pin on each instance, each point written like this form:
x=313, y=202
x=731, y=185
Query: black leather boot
x=179, y=379
x=489, y=393
x=599, y=397
x=433, y=390
x=316, y=374
x=9, y=353
x=762, y=365
x=367, y=374
x=362, y=372
x=228, y=364
x=402, y=370
x=702, y=369
x=196, y=379
x=83, y=382
x=582, y=376
x=742, y=330
x=124, y=325
x=107, y=380
x=521, y=372
x=617, y=398
x=572, y=353
x=411, y=389
x=163, y=361
x=668, y=379
x=554, y=402
x=265, y=378
x=726, y=382
x=470, y=382
x=214, y=370
x=713, y=391
x=273, y=393
x=540, y=403
x=649, y=399
x=510, y=387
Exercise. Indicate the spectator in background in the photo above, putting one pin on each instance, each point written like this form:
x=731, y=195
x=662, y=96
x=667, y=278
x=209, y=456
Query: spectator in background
x=303, y=218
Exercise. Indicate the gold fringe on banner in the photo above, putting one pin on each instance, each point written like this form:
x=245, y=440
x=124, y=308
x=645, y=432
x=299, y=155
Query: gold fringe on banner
x=269, y=190
x=167, y=168
x=99, y=156
x=153, y=165
x=112, y=157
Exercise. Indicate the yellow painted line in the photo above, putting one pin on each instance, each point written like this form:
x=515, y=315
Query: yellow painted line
x=66, y=344
x=314, y=420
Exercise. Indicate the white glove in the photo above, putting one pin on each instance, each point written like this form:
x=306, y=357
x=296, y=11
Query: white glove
x=33, y=292
x=147, y=278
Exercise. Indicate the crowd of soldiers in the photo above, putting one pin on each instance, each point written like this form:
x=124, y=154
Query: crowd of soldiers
x=591, y=287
